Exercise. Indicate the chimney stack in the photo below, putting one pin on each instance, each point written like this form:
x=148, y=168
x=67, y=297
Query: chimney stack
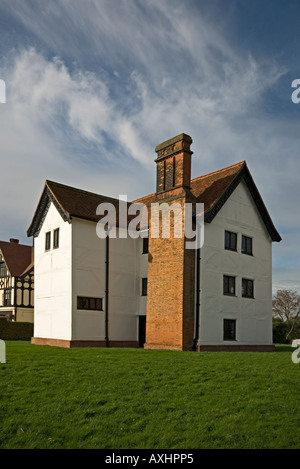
x=173, y=164
x=13, y=240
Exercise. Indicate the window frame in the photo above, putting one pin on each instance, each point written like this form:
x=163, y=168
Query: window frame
x=248, y=252
x=227, y=330
x=228, y=278
x=47, y=241
x=90, y=303
x=7, y=297
x=56, y=238
x=245, y=289
x=3, y=269
x=144, y=286
x=145, y=245
x=227, y=246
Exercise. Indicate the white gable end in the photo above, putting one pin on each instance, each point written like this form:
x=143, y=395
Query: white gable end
x=53, y=278
x=253, y=316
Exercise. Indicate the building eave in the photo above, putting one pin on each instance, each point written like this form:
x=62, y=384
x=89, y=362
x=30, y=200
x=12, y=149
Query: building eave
x=244, y=174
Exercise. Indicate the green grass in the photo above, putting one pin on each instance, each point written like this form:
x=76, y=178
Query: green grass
x=132, y=399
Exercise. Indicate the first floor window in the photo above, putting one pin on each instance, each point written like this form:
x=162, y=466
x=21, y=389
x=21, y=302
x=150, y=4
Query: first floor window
x=230, y=240
x=144, y=286
x=229, y=329
x=247, y=288
x=56, y=238
x=48, y=241
x=228, y=285
x=85, y=302
x=246, y=245
x=3, y=269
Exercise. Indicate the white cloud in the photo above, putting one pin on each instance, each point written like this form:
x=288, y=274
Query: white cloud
x=116, y=82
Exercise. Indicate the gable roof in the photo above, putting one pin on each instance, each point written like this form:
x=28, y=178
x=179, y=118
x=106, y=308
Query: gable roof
x=212, y=189
x=18, y=257
x=215, y=188
x=70, y=202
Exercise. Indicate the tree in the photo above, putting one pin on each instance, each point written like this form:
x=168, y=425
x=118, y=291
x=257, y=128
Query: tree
x=286, y=306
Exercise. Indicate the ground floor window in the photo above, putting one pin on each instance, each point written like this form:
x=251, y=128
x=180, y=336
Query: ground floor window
x=84, y=302
x=229, y=329
x=7, y=297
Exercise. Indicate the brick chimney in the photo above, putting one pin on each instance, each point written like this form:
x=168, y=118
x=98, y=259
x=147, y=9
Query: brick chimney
x=13, y=240
x=173, y=164
x=171, y=267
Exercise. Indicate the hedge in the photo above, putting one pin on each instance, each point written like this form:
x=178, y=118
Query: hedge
x=15, y=330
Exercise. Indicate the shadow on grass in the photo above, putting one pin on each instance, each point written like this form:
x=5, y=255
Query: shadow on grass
x=283, y=348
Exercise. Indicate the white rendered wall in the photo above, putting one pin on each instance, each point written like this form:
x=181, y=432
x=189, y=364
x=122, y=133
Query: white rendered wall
x=52, y=289
x=253, y=316
x=89, y=254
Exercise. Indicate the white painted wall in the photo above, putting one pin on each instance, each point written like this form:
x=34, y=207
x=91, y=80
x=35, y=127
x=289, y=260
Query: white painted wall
x=88, y=273
x=253, y=316
x=52, y=289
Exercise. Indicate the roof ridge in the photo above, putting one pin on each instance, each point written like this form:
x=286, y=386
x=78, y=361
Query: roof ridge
x=65, y=186
x=218, y=171
x=142, y=198
x=16, y=244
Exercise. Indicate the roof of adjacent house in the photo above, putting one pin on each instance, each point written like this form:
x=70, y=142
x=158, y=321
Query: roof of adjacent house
x=212, y=189
x=18, y=257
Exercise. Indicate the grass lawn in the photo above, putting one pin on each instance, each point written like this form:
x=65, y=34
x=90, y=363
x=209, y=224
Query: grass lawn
x=134, y=399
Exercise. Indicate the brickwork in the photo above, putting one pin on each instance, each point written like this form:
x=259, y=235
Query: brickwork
x=171, y=268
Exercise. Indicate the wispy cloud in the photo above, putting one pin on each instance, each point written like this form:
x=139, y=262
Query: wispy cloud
x=102, y=86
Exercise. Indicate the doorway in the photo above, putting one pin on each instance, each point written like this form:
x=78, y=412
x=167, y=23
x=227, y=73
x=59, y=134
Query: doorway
x=142, y=331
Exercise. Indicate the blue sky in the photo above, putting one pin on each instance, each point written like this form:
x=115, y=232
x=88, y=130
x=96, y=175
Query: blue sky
x=92, y=87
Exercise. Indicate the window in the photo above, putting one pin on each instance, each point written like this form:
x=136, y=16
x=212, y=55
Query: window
x=94, y=304
x=247, y=245
x=229, y=329
x=145, y=245
x=228, y=285
x=230, y=240
x=56, y=238
x=3, y=269
x=7, y=297
x=144, y=286
x=48, y=241
x=247, y=288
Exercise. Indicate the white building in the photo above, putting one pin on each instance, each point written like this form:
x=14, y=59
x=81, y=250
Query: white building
x=93, y=292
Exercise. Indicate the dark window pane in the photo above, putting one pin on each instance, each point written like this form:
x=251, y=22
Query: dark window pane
x=56, y=238
x=230, y=241
x=246, y=245
x=94, y=304
x=3, y=269
x=144, y=286
x=48, y=241
x=229, y=328
x=145, y=245
x=247, y=288
x=228, y=285
x=7, y=297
